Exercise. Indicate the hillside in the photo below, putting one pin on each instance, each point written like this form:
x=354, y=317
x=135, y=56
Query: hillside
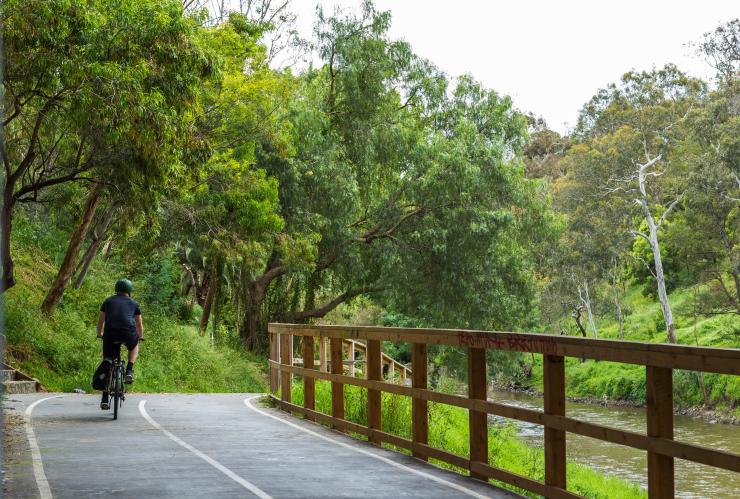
x=623, y=382
x=62, y=351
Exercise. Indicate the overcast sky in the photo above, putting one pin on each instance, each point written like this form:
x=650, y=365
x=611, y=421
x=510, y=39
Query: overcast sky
x=549, y=56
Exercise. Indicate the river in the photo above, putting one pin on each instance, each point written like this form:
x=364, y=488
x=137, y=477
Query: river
x=693, y=480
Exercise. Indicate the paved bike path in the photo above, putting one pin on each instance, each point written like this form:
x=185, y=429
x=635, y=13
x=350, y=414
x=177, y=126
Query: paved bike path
x=209, y=445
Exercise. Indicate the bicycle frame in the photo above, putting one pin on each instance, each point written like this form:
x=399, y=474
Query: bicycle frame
x=116, y=386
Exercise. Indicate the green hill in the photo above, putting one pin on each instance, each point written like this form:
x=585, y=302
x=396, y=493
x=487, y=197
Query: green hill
x=62, y=351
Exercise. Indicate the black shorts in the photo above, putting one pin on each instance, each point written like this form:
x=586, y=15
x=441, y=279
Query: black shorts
x=128, y=337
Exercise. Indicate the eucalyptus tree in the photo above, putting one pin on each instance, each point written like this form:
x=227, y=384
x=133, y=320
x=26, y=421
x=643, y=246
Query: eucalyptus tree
x=395, y=186
x=224, y=211
x=707, y=232
x=628, y=137
x=94, y=92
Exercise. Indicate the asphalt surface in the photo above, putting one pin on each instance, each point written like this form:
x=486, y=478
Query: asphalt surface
x=202, y=446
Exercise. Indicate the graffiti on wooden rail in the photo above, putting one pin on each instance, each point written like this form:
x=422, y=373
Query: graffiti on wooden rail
x=491, y=340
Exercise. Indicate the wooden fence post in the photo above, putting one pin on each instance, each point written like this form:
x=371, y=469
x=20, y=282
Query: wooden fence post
x=337, y=389
x=659, y=382
x=554, y=384
x=286, y=357
x=309, y=384
x=351, y=356
x=322, y=354
x=478, y=421
x=419, y=408
x=274, y=356
x=374, y=372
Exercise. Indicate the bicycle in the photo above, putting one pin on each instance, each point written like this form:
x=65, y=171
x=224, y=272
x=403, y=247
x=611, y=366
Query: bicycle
x=116, y=387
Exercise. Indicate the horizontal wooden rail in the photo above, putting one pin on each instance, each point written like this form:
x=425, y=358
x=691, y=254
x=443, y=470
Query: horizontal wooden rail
x=707, y=359
x=658, y=442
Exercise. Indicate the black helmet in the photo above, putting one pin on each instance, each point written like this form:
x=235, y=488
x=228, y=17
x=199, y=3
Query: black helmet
x=124, y=286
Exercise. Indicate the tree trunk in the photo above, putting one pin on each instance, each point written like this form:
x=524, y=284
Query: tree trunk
x=578, y=317
x=253, y=332
x=655, y=247
x=205, y=316
x=252, y=326
x=108, y=248
x=216, y=311
x=586, y=300
x=7, y=280
x=98, y=234
x=238, y=296
x=617, y=304
x=64, y=276
x=736, y=299
x=660, y=281
x=618, y=309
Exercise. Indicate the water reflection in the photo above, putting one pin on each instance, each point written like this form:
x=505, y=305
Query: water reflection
x=692, y=480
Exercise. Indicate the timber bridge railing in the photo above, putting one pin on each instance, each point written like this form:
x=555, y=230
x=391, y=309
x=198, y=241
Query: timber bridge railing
x=659, y=360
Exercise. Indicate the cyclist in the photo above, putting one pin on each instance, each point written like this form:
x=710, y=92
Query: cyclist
x=119, y=320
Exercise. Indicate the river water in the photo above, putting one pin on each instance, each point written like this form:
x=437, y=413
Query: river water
x=692, y=480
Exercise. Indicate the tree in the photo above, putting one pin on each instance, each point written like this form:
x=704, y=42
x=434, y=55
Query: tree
x=721, y=49
x=395, y=190
x=223, y=218
x=544, y=151
x=706, y=234
x=93, y=92
x=625, y=134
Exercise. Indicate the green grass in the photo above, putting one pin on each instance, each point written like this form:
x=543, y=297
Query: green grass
x=449, y=430
x=62, y=352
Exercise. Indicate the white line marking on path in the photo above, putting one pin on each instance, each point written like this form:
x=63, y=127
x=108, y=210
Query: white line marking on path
x=38, y=464
x=455, y=486
x=220, y=467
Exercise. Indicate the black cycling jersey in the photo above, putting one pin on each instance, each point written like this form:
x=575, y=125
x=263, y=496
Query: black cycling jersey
x=119, y=313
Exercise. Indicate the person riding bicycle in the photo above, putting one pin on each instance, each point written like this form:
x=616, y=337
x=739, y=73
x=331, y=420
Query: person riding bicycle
x=119, y=321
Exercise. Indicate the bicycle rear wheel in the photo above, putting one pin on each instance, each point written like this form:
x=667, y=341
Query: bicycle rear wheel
x=117, y=384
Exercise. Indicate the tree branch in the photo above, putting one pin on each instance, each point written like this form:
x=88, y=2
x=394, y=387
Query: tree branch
x=322, y=311
x=669, y=209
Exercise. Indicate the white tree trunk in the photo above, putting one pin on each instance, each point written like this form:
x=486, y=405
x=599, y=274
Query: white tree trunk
x=618, y=309
x=586, y=300
x=617, y=305
x=652, y=238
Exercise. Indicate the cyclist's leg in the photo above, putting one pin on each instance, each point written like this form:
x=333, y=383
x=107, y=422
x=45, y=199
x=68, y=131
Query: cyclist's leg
x=133, y=354
x=100, y=378
x=132, y=344
x=109, y=353
x=109, y=349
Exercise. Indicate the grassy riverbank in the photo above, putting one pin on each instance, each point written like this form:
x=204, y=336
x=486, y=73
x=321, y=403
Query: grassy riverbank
x=611, y=381
x=448, y=430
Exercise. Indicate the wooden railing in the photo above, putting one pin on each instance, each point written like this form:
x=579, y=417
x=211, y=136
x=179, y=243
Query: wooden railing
x=356, y=352
x=658, y=359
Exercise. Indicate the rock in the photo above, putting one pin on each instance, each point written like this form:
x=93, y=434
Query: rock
x=79, y=390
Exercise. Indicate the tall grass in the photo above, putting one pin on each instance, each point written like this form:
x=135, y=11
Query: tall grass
x=449, y=430
x=62, y=351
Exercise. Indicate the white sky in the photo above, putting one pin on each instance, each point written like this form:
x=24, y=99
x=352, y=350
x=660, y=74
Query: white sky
x=549, y=56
